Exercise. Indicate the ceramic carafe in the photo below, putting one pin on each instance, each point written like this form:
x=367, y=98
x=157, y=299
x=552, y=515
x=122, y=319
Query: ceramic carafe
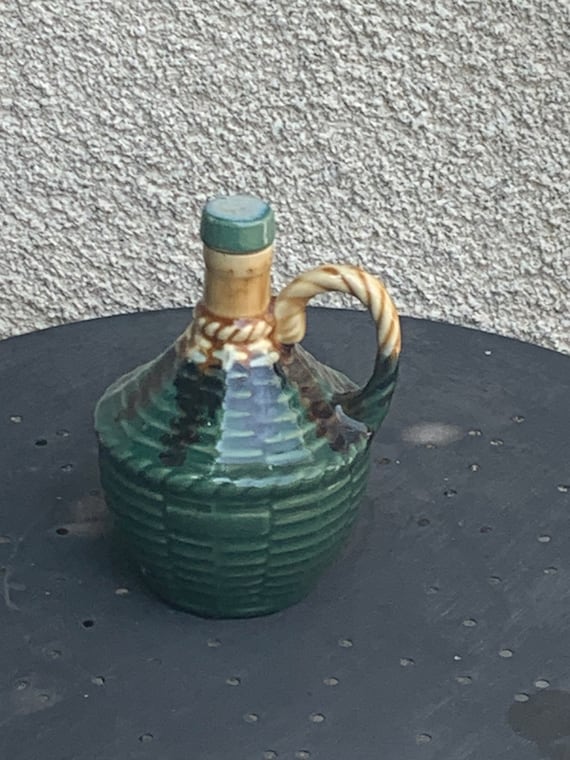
x=234, y=463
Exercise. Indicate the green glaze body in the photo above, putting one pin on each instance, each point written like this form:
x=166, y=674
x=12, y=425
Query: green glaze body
x=227, y=490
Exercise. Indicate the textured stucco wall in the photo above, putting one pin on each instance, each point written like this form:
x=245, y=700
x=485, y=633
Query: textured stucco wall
x=424, y=140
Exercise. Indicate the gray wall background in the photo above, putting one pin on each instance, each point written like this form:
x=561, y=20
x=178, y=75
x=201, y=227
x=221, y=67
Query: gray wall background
x=424, y=140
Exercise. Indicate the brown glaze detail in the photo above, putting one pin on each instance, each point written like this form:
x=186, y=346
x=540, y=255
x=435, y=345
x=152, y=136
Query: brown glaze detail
x=362, y=278
x=201, y=310
x=346, y=283
x=189, y=338
x=302, y=370
x=393, y=326
x=152, y=382
x=319, y=409
x=329, y=269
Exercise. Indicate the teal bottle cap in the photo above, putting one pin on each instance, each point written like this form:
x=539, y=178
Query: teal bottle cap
x=237, y=224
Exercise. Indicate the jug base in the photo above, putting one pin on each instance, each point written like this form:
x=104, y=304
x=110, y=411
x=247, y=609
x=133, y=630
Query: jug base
x=219, y=608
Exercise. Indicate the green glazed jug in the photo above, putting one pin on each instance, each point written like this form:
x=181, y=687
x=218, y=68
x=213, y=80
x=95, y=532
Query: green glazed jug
x=233, y=463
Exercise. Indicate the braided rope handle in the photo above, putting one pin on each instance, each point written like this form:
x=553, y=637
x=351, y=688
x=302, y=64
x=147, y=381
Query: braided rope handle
x=291, y=303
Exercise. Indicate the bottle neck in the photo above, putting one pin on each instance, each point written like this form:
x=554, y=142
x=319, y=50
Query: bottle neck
x=237, y=286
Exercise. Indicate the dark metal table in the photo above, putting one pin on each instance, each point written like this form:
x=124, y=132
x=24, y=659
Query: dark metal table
x=443, y=633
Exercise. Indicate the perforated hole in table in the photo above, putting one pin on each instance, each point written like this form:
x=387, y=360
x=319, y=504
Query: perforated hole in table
x=441, y=633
